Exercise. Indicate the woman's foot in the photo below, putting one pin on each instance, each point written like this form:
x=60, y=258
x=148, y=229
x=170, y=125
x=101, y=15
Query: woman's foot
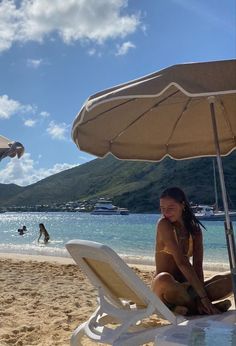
x=224, y=305
x=180, y=310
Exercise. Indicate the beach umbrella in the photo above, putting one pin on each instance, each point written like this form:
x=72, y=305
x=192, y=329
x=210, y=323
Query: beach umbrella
x=10, y=148
x=183, y=111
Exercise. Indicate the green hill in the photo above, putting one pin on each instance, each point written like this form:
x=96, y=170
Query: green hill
x=131, y=184
x=9, y=190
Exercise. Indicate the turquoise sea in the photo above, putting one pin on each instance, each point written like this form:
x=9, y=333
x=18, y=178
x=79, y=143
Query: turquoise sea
x=132, y=236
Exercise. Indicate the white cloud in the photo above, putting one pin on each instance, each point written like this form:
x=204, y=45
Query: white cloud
x=124, y=48
x=44, y=114
x=34, y=63
x=10, y=19
x=30, y=122
x=72, y=20
x=23, y=172
x=8, y=107
x=57, y=131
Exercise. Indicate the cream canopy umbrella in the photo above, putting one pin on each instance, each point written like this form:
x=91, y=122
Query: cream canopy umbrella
x=183, y=111
x=10, y=148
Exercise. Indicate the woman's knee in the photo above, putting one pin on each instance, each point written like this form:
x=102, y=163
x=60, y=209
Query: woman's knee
x=164, y=278
x=161, y=281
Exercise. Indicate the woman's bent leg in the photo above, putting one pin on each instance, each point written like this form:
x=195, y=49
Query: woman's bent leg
x=171, y=292
x=219, y=287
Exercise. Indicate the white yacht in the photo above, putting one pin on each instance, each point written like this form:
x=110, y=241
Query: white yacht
x=105, y=207
x=207, y=213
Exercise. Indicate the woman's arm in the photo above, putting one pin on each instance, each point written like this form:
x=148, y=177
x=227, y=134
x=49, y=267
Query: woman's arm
x=198, y=254
x=156, y=248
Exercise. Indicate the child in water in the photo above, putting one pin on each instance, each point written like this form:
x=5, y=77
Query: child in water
x=22, y=230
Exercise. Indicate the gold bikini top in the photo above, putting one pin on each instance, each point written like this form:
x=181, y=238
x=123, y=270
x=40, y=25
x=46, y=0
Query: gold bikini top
x=190, y=246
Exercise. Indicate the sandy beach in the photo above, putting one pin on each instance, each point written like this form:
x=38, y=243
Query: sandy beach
x=43, y=299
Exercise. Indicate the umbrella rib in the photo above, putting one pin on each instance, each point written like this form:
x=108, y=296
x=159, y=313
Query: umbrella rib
x=227, y=120
x=141, y=115
x=178, y=119
x=107, y=110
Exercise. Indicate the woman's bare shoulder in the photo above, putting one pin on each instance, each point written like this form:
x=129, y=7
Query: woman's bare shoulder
x=164, y=224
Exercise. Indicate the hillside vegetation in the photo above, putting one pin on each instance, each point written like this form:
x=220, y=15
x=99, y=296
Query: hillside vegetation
x=131, y=184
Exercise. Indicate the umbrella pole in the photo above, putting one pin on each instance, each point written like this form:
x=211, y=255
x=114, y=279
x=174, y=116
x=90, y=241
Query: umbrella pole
x=229, y=233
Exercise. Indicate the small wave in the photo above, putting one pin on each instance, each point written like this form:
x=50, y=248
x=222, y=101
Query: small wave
x=143, y=260
x=216, y=266
x=33, y=249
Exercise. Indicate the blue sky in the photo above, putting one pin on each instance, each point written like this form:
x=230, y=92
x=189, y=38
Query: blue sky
x=54, y=54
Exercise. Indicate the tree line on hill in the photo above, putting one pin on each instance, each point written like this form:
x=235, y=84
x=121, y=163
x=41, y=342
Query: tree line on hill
x=131, y=184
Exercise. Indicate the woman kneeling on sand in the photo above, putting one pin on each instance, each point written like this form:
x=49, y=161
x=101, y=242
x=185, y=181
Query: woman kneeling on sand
x=178, y=282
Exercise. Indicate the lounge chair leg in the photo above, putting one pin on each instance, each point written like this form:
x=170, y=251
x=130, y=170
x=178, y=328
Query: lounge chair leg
x=77, y=336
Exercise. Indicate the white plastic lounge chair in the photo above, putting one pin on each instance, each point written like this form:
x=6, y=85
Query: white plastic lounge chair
x=123, y=298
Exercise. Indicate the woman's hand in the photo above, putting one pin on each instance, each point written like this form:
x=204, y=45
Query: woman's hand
x=205, y=306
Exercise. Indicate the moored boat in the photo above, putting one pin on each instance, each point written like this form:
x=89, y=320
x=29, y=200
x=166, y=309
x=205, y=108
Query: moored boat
x=207, y=213
x=105, y=207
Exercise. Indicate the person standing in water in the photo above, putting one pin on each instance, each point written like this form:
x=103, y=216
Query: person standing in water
x=44, y=232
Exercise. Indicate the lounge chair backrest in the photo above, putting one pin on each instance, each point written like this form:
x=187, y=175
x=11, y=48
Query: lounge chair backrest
x=114, y=284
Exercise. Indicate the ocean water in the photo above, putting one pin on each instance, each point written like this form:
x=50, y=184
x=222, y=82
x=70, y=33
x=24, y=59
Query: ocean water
x=132, y=236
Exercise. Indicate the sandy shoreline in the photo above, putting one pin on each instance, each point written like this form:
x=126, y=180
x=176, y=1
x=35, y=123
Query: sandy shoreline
x=44, y=298
x=131, y=260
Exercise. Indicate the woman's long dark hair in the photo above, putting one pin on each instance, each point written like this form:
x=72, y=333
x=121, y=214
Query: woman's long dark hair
x=190, y=221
